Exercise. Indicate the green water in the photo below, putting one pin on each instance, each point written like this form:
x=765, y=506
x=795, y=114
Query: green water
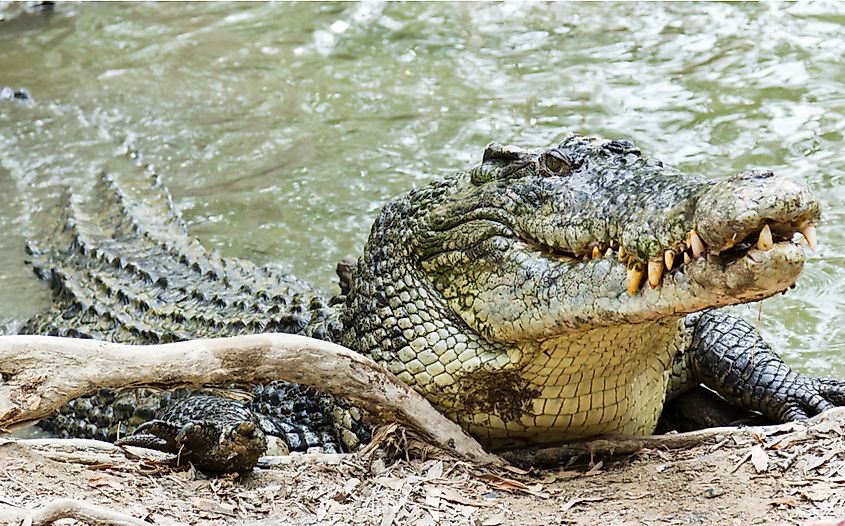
x=282, y=128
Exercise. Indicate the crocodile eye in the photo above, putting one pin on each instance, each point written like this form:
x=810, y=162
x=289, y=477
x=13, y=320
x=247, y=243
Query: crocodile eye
x=557, y=162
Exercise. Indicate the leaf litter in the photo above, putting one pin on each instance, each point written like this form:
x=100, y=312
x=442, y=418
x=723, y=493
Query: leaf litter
x=790, y=477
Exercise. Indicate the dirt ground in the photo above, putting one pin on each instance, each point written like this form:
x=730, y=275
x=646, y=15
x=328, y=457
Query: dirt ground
x=789, y=476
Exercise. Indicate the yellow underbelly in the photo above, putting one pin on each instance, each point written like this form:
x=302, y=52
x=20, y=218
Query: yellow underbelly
x=604, y=381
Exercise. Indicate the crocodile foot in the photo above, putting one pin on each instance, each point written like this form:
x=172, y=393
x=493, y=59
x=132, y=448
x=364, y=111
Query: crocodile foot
x=808, y=396
x=226, y=439
x=729, y=356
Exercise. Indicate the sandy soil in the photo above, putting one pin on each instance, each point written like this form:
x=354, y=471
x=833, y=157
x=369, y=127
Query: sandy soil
x=789, y=477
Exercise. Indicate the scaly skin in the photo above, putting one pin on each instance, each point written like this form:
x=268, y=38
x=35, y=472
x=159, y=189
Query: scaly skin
x=500, y=293
x=483, y=290
x=122, y=268
x=217, y=434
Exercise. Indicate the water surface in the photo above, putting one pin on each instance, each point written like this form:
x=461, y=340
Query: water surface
x=282, y=128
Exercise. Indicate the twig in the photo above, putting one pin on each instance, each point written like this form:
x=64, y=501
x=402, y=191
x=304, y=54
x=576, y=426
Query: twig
x=624, y=445
x=16, y=481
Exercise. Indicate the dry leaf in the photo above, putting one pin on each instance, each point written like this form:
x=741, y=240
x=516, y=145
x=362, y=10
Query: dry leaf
x=595, y=470
x=453, y=495
x=391, y=483
x=789, y=502
x=515, y=470
x=511, y=485
x=502, y=482
x=817, y=492
x=210, y=505
x=579, y=500
x=432, y=498
x=351, y=484
x=818, y=462
x=99, y=482
x=389, y=515
x=435, y=471
x=759, y=458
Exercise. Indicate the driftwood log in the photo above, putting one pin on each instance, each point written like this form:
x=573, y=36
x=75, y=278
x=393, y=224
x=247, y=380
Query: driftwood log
x=39, y=374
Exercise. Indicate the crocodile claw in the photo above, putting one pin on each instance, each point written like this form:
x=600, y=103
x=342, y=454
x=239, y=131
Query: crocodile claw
x=155, y=434
x=814, y=396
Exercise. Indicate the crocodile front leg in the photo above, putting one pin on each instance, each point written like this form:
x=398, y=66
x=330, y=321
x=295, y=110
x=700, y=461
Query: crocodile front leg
x=727, y=355
x=218, y=435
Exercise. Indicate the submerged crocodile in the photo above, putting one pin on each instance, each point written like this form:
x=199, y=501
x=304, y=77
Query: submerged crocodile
x=539, y=296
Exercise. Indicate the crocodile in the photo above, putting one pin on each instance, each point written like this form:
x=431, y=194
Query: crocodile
x=539, y=296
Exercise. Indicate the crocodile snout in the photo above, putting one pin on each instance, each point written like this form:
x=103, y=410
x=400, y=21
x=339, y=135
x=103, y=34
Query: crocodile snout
x=758, y=206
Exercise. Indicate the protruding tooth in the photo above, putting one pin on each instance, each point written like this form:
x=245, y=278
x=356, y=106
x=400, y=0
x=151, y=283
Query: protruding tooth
x=669, y=259
x=765, y=242
x=809, y=233
x=695, y=244
x=622, y=253
x=608, y=252
x=635, y=277
x=687, y=259
x=596, y=252
x=655, y=272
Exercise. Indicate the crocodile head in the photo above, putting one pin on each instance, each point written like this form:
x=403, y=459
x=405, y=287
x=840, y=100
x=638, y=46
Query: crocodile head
x=589, y=233
x=540, y=294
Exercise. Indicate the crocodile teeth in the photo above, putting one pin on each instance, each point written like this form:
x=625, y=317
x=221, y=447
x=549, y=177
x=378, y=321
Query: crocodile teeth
x=695, y=244
x=687, y=259
x=635, y=277
x=622, y=253
x=596, y=252
x=765, y=242
x=809, y=233
x=655, y=272
x=669, y=259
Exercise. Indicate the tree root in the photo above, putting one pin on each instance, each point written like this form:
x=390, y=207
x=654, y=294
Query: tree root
x=39, y=374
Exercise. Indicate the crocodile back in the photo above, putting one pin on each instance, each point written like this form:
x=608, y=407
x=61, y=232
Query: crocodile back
x=122, y=267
